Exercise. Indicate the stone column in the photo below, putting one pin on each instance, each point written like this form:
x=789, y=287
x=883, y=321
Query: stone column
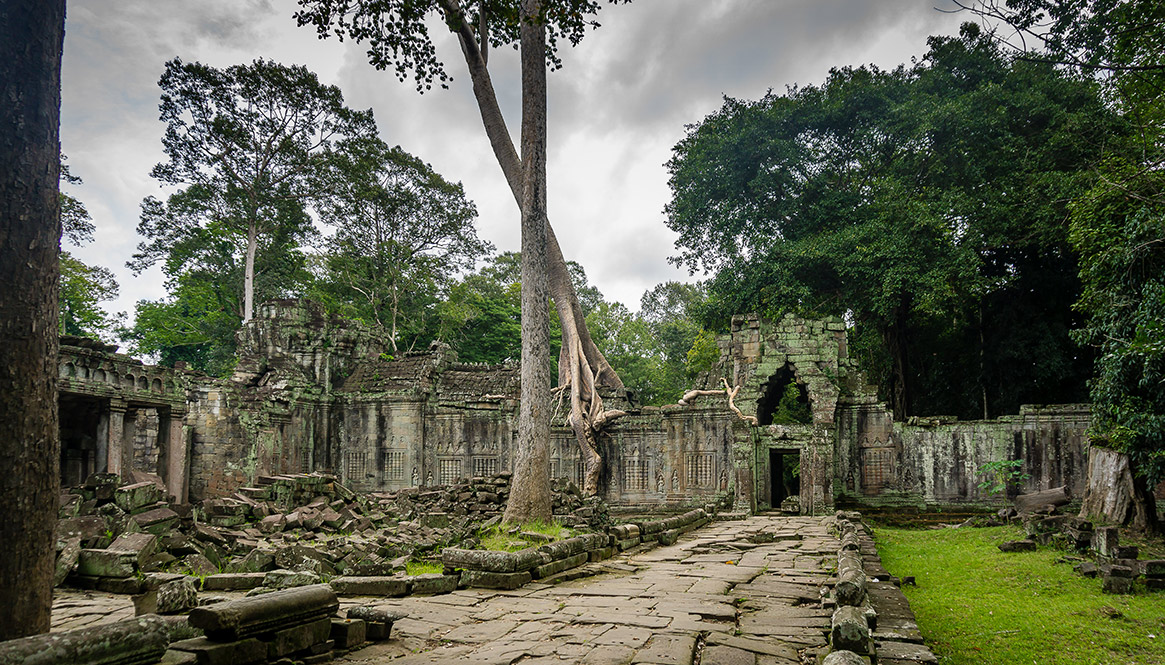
x=115, y=436
x=177, y=470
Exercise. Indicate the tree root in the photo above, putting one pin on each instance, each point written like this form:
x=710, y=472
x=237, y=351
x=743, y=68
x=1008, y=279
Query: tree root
x=690, y=397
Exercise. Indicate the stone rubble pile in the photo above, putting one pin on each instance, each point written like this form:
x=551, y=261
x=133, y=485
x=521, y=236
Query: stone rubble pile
x=289, y=530
x=1116, y=564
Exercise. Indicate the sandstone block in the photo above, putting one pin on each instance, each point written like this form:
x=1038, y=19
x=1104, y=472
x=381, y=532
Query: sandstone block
x=288, y=579
x=371, y=586
x=107, y=563
x=548, y=569
x=241, y=652
x=850, y=631
x=264, y=613
x=490, y=580
x=348, y=633
x=138, y=640
x=491, y=561
x=298, y=638
x=432, y=583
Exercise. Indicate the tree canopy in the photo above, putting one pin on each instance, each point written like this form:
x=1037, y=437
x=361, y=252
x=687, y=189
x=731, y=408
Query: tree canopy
x=926, y=204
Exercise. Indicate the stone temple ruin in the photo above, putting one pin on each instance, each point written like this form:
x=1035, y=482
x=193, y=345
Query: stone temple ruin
x=312, y=392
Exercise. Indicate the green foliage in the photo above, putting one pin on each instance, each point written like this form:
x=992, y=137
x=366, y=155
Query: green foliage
x=703, y=353
x=508, y=537
x=423, y=567
x=246, y=146
x=927, y=205
x=402, y=232
x=793, y=407
x=1001, y=474
x=83, y=287
x=976, y=604
x=397, y=32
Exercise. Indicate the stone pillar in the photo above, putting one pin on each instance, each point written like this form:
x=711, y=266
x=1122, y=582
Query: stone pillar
x=176, y=464
x=115, y=436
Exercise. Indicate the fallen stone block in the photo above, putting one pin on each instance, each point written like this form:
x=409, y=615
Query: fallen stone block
x=1117, y=584
x=850, y=631
x=433, y=583
x=299, y=638
x=287, y=579
x=548, y=569
x=371, y=586
x=67, y=560
x=142, y=545
x=488, y=580
x=1017, y=546
x=378, y=621
x=106, y=563
x=135, y=498
x=1113, y=570
x=348, y=633
x=1125, y=552
x=1086, y=568
x=601, y=554
x=207, y=652
x=624, y=545
x=233, y=581
x=123, y=585
x=1154, y=567
x=490, y=560
x=138, y=641
x=156, y=521
x=261, y=614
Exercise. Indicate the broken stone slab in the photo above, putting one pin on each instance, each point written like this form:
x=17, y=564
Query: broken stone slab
x=1086, y=568
x=601, y=554
x=287, y=579
x=138, y=641
x=67, y=560
x=1112, y=570
x=624, y=531
x=106, y=563
x=233, y=581
x=255, y=561
x=1117, y=584
x=156, y=521
x=490, y=580
x=265, y=613
x=1017, y=546
x=378, y=621
x=905, y=652
x=433, y=583
x=142, y=545
x=850, y=631
x=137, y=497
x=554, y=567
x=1154, y=567
x=371, y=586
x=851, y=585
x=294, y=639
x=624, y=545
x=235, y=652
x=491, y=561
x=174, y=597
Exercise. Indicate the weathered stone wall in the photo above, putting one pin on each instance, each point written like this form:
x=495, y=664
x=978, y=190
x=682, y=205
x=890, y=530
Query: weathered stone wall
x=937, y=461
x=315, y=393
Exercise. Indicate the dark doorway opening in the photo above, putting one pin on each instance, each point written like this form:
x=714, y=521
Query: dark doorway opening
x=783, y=400
x=784, y=475
x=80, y=418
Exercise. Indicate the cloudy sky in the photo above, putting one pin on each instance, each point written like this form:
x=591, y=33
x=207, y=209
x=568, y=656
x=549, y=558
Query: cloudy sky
x=615, y=110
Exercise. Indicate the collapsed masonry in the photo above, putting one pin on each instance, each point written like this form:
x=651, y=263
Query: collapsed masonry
x=312, y=392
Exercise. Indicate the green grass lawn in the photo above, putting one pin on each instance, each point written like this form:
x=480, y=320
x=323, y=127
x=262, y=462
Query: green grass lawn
x=977, y=605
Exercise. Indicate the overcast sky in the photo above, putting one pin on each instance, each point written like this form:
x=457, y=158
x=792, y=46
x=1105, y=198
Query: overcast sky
x=616, y=109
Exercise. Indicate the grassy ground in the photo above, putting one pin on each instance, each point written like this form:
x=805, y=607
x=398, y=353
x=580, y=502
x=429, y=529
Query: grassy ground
x=507, y=538
x=978, y=605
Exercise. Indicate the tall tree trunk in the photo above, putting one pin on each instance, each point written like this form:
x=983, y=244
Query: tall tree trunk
x=894, y=336
x=31, y=37
x=581, y=365
x=249, y=272
x=530, y=498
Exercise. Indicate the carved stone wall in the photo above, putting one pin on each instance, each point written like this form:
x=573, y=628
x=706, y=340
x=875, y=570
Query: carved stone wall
x=314, y=392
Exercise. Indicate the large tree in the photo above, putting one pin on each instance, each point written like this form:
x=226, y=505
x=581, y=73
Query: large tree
x=31, y=39
x=398, y=37
x=402, y=232
x=1118, y=224
x=243, y=143
x=927, y=204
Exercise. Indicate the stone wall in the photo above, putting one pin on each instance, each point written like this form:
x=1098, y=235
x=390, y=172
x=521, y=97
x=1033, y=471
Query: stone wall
x=312, y=392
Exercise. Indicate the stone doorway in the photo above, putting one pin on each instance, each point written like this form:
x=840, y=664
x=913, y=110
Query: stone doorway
x=784, y=476
x=82, y=440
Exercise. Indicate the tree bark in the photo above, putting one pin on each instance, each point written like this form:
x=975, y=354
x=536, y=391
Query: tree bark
x=530, y=498
x=31, y=38
x=249, y=272
x=581, y=364
x=895, y=338
x=1114, y=495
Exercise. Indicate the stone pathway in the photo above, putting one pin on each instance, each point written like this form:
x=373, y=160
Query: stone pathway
x=736, y=592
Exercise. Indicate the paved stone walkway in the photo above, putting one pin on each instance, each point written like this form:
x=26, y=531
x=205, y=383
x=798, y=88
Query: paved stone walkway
x=751, y=587
x=735, y=592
